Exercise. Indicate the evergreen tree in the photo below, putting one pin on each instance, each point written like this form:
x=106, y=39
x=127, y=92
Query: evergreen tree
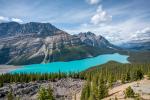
x=128, y=78
x=45, y=94
x=149, y=75
x=50, y=92
x=138, y=74
x=116, y=98
x=123, y=79
x=129, y=92
x=1, y=83
x=83, y=93
x=102, y=89
x=110, y=80
x=10, y=95
x=91, y=97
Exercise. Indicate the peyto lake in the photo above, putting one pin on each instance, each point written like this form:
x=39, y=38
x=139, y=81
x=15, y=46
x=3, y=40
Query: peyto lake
x=72, y=66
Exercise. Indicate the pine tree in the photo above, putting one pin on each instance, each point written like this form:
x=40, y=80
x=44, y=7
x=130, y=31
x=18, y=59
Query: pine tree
x=129, y=92
x=123, y=79
x=116, y=98
x=94, y=87
x=10, y=95
x=83, y=93
x=110, y=81
x=45, y=94
x=1, y=83
x=91, y=97
x=138, y=74
x=149, y=75
x=128, y=78
x=102, y=89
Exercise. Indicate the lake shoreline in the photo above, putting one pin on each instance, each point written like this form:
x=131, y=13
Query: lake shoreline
x=72, y=66
x=8, y=68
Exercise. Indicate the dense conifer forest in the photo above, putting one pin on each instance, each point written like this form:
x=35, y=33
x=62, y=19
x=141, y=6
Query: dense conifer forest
x=102, y=77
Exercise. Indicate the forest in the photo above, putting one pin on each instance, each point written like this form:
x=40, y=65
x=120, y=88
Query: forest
x=102, y=77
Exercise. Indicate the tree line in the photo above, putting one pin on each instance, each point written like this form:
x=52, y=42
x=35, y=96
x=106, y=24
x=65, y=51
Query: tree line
x=102, y=77
x=28, y=77
x=98, y=78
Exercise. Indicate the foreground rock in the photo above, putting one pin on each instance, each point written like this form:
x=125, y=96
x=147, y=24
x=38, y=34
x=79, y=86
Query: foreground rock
x=63, y=89
x=141, y=87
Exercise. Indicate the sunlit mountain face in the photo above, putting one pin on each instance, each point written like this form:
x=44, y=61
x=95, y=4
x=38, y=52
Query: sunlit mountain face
x=118, y=21
x=46, y=31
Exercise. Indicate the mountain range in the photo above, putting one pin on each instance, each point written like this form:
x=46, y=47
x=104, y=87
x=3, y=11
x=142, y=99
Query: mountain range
x=33, y=42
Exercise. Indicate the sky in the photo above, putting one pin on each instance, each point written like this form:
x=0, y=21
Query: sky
x=118, y=21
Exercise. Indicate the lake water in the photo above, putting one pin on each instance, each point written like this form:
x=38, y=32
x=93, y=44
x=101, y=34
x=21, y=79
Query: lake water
x=72, y=66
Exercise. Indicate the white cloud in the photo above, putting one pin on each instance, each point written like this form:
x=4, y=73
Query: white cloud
x=101, y=16
x=7, y=19
x=16, y=20
x=144, y=31
x=118, y=33
x=4, y=19
x=142, y=35
x=93, y=1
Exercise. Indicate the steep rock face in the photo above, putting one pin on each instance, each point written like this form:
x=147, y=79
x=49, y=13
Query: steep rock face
x=27, y=48
x=42, y=42
x=34, y=28
x=92, y=40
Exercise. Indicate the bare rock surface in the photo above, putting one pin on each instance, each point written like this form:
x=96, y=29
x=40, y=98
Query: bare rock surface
x=63, y=89
x=141, y=87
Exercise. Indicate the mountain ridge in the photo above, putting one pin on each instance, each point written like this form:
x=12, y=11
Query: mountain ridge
x=26, y=46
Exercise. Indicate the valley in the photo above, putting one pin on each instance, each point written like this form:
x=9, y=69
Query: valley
x=39, y=61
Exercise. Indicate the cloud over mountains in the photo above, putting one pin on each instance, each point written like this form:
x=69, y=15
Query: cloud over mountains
x=6, y=19
x=115, y=19
x=101, y=16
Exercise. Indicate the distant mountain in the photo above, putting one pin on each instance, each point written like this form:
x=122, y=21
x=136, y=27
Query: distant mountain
x=137, y=45
x=42, y=42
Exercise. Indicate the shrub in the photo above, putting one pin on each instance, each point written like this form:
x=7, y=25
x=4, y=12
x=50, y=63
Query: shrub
x=129, y=93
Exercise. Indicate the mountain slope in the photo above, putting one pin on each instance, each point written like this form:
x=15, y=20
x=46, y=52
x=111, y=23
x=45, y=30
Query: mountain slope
x=137, y=45
x=42, y=42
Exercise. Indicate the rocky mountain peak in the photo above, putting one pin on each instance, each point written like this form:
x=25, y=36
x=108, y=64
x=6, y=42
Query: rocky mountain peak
x=85, y=34
x=38, y=29
x=42, y=42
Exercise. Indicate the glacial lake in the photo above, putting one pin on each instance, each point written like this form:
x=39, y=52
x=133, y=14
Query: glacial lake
x=72, y=66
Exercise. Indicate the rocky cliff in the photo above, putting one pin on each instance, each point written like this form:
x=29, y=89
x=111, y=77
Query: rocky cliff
x=42, y=42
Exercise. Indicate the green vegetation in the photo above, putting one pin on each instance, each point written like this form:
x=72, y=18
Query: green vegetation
x=95, y=89
x=98, y=79
x=9, y=78
x=129, y=93
x=113, y=71
x=10, y=95
x=102, y=77
x=149, y=75
x=45, y=94
x=77, y=52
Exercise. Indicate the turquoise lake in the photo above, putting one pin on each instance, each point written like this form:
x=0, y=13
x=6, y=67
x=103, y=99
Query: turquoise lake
x=72, y=66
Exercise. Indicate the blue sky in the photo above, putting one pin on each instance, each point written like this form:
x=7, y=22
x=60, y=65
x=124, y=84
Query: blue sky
x=117, y=20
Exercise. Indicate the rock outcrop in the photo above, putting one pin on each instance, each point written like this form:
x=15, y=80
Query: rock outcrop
x=63, y=88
